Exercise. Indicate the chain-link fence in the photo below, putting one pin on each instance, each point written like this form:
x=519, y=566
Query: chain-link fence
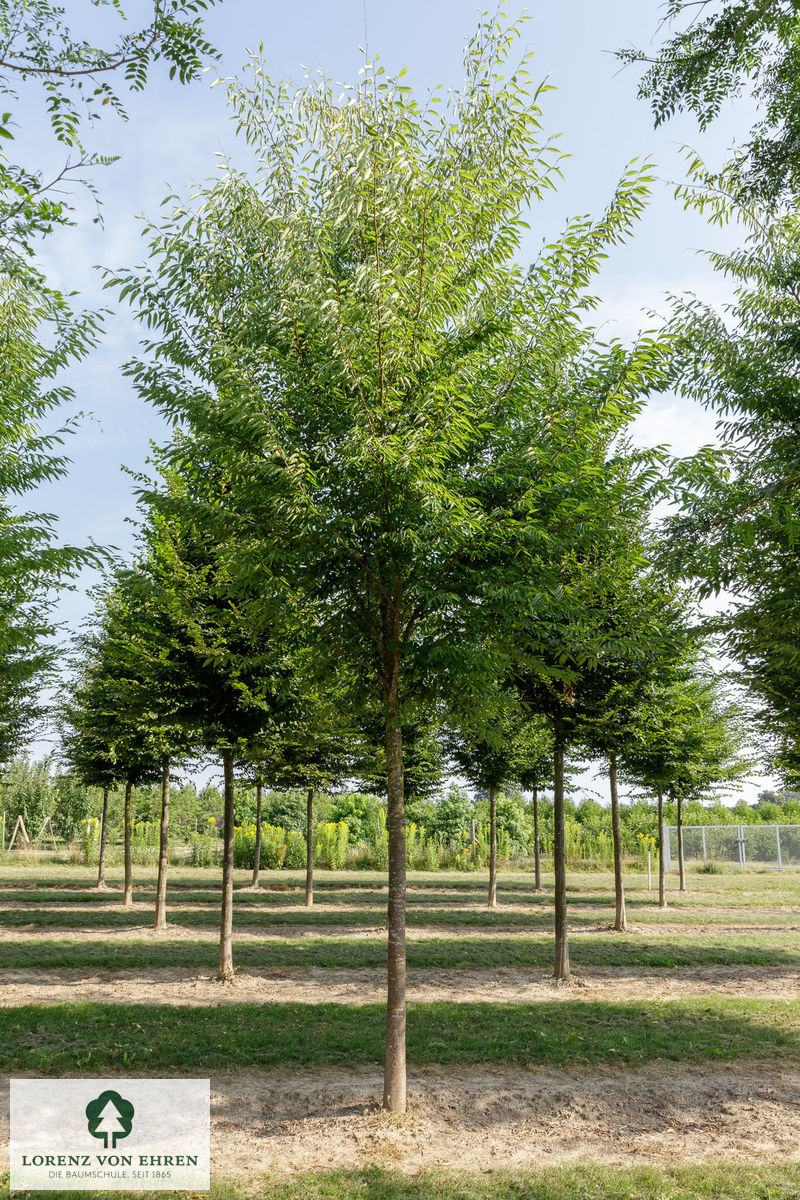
x=740, y=846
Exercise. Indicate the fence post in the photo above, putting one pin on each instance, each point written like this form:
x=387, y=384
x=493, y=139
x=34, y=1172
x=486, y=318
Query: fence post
x=649, y=876
x=778, y=840
x=667, y=852
x=703, y=835
x=4, y=831
x=740, y=842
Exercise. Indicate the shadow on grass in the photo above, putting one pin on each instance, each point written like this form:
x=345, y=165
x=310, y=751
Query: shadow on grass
x=447, y=953
x=84, y=1037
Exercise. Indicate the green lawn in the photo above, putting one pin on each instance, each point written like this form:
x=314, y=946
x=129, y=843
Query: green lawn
x=702, y=1182
x=65, y=1038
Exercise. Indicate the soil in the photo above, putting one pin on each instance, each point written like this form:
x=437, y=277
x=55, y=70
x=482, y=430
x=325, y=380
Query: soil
x=190, y=988
x=485, y=1119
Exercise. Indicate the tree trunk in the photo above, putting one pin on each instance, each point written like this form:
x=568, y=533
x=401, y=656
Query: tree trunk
x=310, y=848
x=681, y=864
x=620, y=922
x=257, y=852
x=662, y=889
x=492, y=847
x=394, y=1078
x=226, y=923
x=537, y=855
x=127, y=895
x=163, y=847
x=561, y=971
x=101, y=862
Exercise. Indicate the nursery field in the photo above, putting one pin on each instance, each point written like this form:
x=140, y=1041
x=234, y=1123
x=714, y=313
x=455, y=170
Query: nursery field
x=669, y=1067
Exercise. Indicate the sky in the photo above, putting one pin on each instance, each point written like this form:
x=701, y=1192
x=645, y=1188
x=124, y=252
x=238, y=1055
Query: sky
x=174, y=135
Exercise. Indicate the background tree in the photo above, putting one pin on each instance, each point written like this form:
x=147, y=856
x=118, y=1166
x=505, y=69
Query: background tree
x=76, y=79
x=722, y=51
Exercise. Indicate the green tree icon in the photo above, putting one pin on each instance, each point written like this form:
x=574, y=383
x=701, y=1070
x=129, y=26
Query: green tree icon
x=109, y=1116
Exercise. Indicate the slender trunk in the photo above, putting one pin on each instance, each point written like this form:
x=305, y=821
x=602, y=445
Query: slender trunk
x=310, y=848
x=537, y=856
x=127, y=895
x=163, y=847
x=394, y=1078
x=620, y=922
x=681, y=864
x=257, y=852
x=561, y=971
x=101, y=862
x=492, y=846
x=662, y=890
x=226, y=922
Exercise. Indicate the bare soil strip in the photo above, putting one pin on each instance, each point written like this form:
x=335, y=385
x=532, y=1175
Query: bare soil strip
x=190, y=988
x=481, y=1119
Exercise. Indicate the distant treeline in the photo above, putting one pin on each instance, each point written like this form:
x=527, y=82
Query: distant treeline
x=38, y=789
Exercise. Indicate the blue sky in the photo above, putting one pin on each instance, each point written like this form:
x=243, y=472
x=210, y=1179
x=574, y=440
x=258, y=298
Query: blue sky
x=174, y=134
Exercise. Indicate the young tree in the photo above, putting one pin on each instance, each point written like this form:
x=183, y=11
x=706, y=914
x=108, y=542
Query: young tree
x=535, y=771
x=688, y=740
x=386, y=399
x=484, y=752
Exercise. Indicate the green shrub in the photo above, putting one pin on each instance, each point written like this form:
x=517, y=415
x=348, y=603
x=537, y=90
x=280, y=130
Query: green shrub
x=711, y=868
x=331, y=839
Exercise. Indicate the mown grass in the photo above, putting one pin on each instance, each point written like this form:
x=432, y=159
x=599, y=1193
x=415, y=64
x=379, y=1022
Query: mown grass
x=702, y=1182
x=586, y=951
x=86, y=1037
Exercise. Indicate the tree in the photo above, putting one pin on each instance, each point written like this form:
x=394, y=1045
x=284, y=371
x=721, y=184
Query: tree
x=737, y=527
x=386, y=399
x=483, y=749
x=688, y=741
x=39, y=337
x=534, y=772
x=723, y=50
x=77, y=81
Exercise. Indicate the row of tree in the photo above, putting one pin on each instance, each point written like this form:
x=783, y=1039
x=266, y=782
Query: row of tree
x=400, y=489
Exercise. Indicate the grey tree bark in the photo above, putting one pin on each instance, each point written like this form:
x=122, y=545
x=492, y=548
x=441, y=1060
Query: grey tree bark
x=662, y=883
x=492, y=902
x=561, y=970
x=226, y=920
x=620, y=921
x=257, y=851
x=127, y=895
x=681, y=864
x=101, y=862
x=310, y=848
x=394, y=1077
x=537, y=854
x=160, y=921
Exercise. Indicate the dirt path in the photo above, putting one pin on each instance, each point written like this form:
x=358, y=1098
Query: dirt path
x=482, y=1119
x=177, y=986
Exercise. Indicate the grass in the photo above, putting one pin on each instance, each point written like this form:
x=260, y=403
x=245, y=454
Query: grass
x=447, y=953
x=90, y=1038
x=702, y=1182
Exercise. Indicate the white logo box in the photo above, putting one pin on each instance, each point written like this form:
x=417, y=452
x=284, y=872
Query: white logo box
x=147, y=1135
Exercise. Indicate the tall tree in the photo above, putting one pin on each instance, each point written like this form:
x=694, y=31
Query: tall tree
x=723, y=50
x=386, y=398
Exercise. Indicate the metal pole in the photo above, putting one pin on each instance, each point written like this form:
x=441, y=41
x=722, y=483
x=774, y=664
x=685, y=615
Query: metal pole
x=703, y=835
x=740, y=840
x=4, y=830
x=778, y=841
x=649, y=875
x=667, y=852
